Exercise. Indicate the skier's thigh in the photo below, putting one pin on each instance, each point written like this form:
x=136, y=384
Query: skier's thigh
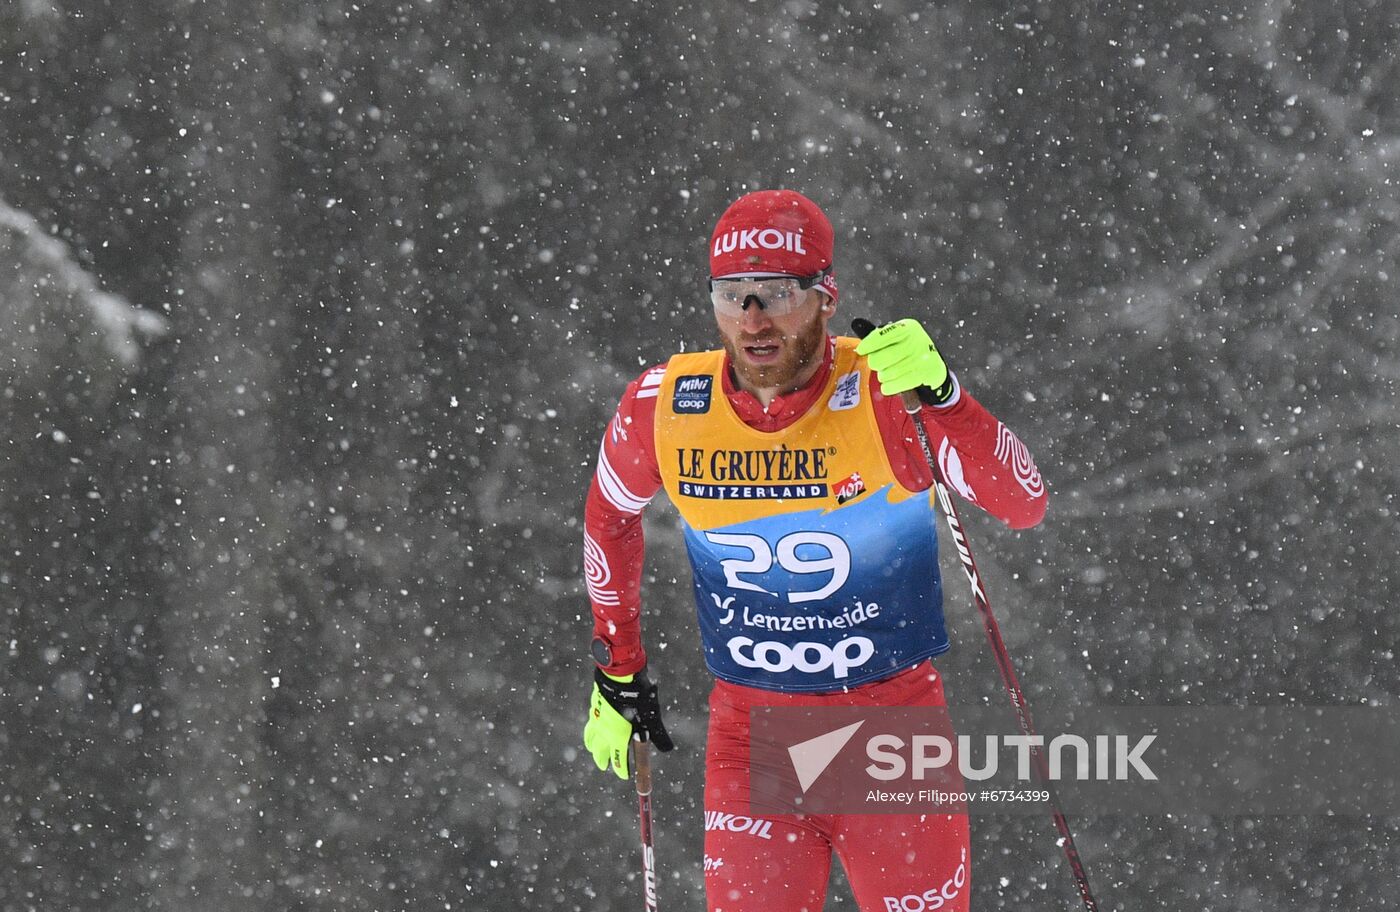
x=760, y=864
x=906, y=863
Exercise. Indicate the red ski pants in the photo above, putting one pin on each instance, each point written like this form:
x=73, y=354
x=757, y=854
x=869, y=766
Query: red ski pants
x=895, y=863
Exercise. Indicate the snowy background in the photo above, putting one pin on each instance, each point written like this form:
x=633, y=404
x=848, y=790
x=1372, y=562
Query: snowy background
x=311, y=316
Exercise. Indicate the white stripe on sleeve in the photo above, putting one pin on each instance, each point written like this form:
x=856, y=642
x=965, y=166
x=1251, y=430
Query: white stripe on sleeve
x=614, y=491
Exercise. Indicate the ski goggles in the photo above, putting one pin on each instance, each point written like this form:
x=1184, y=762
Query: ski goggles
x=776, y=296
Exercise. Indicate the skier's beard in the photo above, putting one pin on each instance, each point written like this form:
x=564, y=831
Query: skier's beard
x=796, y=354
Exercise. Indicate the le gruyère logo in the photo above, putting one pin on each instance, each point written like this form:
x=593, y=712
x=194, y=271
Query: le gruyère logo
x=773, y=474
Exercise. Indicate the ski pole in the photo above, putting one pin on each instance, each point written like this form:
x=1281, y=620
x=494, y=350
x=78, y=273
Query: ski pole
x=641, y=762
x=914, y=407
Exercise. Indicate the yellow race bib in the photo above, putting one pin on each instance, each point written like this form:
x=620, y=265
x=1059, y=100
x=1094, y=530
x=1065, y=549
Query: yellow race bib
x=814, y=569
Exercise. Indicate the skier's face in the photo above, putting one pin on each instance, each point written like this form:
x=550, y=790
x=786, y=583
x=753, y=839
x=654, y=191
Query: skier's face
x=777, y=351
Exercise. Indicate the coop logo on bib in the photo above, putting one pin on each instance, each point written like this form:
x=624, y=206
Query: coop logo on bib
x=810, y=658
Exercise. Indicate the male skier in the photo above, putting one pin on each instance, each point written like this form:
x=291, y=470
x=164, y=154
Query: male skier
x=805, y=494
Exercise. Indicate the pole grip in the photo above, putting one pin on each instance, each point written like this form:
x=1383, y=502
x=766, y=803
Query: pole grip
x=641, y=763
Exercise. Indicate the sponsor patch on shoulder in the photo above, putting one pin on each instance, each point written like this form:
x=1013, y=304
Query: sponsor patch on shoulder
x=692, y=395
x=847, y=395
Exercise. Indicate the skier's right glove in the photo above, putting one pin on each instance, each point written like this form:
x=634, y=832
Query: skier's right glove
x=619, y=708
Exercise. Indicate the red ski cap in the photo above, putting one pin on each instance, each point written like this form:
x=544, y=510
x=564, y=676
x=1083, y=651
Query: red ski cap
x=773, y=233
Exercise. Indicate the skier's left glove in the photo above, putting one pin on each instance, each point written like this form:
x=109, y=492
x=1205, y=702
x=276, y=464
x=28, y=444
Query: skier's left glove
x=904, y=358
x=619, y=708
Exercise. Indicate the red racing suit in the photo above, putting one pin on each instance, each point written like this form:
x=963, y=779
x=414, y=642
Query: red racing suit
x=781, y=864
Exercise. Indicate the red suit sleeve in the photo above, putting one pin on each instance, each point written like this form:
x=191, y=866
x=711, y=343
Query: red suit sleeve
x=624, y=482
x=977, y=455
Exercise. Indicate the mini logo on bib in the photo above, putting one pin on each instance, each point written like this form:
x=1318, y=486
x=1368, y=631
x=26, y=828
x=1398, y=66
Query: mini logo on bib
x=847, y=395
x=692, y=394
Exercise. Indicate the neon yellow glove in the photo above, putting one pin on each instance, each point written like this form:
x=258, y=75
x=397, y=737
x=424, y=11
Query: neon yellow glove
x=904, y=358
x=618, y=708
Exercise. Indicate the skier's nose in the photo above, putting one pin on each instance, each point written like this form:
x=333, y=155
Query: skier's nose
x=755, y=316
